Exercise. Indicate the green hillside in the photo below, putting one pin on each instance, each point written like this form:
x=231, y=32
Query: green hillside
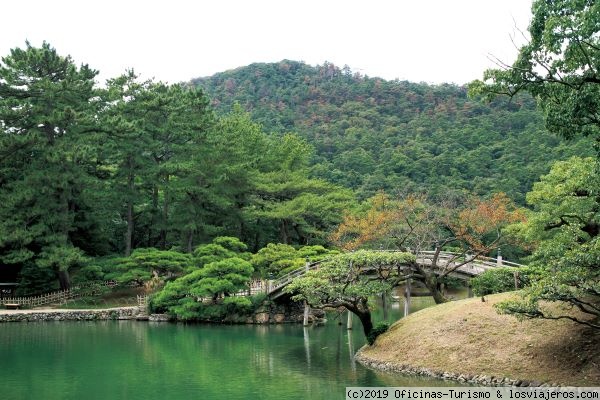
x=371, y=134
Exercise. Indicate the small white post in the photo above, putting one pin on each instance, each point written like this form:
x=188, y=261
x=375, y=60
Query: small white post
x=349, y=320
x=499, y=259
x=407, y=298
x=306, y=306
x=384, y=305
x=306, y=312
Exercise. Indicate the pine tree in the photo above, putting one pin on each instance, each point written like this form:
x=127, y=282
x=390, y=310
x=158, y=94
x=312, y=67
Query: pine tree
x=47, y=131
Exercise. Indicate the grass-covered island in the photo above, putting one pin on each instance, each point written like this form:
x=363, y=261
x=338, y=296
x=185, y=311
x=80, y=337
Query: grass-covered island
x=470, y=338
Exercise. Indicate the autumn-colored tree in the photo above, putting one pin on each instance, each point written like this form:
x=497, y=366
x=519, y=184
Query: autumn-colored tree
x=480, y=224
x=471, y=228
x=358, y=230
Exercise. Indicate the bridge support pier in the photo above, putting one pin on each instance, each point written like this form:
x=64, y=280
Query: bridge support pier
x=384, y=305
x=349, y=321
x=306, y=306
x=306, y=312
x=407, y=298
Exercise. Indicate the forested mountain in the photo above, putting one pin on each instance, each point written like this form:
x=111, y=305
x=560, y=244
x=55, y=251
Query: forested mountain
x=372, y=134
x=88, y=171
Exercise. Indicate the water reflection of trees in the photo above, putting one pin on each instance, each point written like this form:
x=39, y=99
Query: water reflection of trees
x=117, y=359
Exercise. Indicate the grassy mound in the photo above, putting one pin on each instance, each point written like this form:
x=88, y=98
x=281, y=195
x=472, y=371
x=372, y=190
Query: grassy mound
x=469, y=337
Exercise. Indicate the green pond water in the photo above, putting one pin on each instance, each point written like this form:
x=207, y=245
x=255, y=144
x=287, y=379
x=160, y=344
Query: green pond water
x=140, y=360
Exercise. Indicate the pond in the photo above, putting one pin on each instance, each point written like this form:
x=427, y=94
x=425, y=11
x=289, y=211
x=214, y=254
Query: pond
x=141, y=360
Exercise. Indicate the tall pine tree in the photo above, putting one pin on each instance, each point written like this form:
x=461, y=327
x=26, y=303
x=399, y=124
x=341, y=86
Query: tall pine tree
x=47, y=129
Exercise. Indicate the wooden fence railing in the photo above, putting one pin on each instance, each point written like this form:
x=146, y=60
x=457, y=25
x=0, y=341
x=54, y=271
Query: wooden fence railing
x=58, y=297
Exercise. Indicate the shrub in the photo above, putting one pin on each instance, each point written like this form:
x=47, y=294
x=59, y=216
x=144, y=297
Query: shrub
x=221, y=248
x=231, y=243
x=380, y=328
x=500, y=280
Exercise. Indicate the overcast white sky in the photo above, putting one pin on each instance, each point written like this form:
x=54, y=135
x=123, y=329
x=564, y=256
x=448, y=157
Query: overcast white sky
x=417, y=40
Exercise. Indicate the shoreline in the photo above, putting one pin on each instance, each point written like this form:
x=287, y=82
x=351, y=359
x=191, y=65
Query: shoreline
x=57, y=314
x=479, y=380
x=263, y=316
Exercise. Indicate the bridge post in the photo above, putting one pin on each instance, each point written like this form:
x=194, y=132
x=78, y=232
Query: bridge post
x=384, y=305
x=349, y=321
x=306, y=312
x=306, y=306
x=351, y=351
x=407, y=297
x=307, y=346
x=499, y=259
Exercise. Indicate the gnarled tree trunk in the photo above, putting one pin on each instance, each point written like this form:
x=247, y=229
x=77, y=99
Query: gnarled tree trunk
x=435, y=287
x=361, y=310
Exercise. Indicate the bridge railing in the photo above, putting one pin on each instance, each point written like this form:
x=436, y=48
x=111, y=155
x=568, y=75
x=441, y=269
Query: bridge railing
x=287, y=278
x=488, y=261
x=474, y=265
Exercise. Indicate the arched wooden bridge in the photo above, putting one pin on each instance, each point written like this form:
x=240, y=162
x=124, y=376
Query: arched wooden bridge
x=461, y=266
x=446, y=260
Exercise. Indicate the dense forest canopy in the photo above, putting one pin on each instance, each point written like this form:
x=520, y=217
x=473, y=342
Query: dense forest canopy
x=89, y=172
x=269, y=153
x=371, y=134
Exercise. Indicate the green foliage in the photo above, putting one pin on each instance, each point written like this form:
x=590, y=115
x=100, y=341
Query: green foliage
x=90, y=272
x=47, y=108
x=221, y=248
x=315, y=253
x=235, y=305
x=258, y=300
x=378, y=261
x=34, y=280
x=275, y=260
x=371, y=134
x=231, y=243
x=156, y=131
x=564, y=228
x=144, y=264
x=379, y=329
x=223, y=277
x=499, y=280
x=564, y=209
x=350, y=279
x=558, y=66
x=208, y=253
x=204, y=293
x=302, y=208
